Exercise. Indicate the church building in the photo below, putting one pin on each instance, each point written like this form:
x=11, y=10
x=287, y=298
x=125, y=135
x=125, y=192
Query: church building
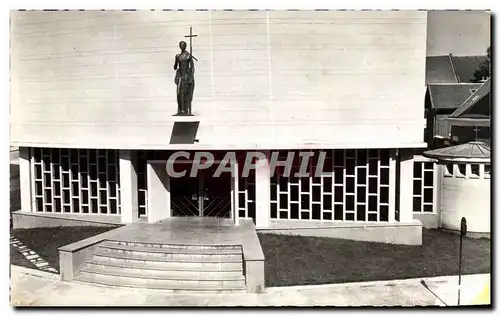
x=96, y=111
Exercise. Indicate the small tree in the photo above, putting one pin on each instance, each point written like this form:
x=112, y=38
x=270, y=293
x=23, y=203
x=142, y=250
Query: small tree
x=483, y=72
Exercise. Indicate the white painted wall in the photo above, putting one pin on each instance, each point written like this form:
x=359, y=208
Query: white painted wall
x=461, y=33
x=469, y=198
x=264, y=79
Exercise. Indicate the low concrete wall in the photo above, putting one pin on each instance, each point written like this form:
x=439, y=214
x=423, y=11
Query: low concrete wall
x=469, y=198
x=392, y=233
x=73, y=256
x=253, y=258
x=24, y=220
x=429, y=220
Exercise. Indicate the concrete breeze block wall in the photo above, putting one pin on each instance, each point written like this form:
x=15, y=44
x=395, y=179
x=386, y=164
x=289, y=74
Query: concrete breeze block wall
x=264, y=79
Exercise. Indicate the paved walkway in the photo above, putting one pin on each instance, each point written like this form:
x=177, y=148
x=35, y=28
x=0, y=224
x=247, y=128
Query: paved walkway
x=37, y=288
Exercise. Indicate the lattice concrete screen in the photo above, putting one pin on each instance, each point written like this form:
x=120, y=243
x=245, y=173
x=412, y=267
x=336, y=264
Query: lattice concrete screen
x=424, y=183
x=354, y=186
x=75, y=180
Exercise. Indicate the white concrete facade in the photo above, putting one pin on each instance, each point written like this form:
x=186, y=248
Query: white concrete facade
x=158, y=198
x=262, y=192
x=464, y=195
x=25, y=183
x=406, y=187
x=265, y=80
x=92, y=79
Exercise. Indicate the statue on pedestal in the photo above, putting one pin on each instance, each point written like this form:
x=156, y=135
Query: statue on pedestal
x=184, y=77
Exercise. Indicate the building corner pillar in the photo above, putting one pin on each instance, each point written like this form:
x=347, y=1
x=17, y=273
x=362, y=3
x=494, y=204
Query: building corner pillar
x=158, y=184
x=25, y=184
x=392, y=186
x=406, y=186
x=263, y=192
x=128, y=187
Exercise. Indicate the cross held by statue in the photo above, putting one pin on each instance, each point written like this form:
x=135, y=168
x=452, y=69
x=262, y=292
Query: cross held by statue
x=191, y=41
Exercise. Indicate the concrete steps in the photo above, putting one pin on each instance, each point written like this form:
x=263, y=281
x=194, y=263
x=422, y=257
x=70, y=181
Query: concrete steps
x=166, y=267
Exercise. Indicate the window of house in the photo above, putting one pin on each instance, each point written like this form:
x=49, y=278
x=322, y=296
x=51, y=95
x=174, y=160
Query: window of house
x=487, y=171
x=474, y=171
x=461, y=170
x=448, y=171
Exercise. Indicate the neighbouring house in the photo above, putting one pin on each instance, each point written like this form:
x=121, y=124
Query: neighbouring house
x=457, y=112
x=472, y=120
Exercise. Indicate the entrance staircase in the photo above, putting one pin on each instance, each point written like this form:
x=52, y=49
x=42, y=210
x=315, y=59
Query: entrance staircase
x=166, y=267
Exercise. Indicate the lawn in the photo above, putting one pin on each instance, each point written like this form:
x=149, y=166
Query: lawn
x=295, y=260
x=45, y=241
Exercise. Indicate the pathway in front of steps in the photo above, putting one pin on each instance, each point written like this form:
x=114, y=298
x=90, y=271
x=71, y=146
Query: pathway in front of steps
x=31, y=287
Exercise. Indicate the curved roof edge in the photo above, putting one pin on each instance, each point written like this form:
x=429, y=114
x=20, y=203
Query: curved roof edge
x=470, y=152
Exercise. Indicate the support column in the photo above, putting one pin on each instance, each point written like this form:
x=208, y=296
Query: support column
x=27, y=200
x=406, y=186
x=158, y=192
x=128, y=187
x=392, y=186
x=263, y=192
x=234, y=193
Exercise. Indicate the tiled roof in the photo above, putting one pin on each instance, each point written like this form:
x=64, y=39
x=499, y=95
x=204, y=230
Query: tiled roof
x=466, y=66
x=483, y=91
x=471, y=150
x=438, y=69
x=450, y=96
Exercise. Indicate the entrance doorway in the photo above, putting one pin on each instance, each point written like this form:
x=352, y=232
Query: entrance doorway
x=203, y=195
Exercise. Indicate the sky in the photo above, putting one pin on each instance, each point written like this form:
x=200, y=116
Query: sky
x=461, y=33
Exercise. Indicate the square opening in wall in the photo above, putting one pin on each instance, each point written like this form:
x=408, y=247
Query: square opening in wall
x=304, y=204
x=274, y=210
x=304, y=184
x=384, y=194
x=294, y=210
x=338, y=158
x=417, y=204
x=349, y=185
x=361, y=213
x=362, y=157
x=327, y=202
x=384, y=157
x=384, y=176
x=294, y=193
x=316, y=211
x=428, y=208
x=361, y=175
x=327, y=184
x=349, y=203
x=417, y=169
x=384, y=213
x=361, y=194
x=284, y=201
x=372, y=185
x=339, y=176
x=339, y=194
x=339, y=212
